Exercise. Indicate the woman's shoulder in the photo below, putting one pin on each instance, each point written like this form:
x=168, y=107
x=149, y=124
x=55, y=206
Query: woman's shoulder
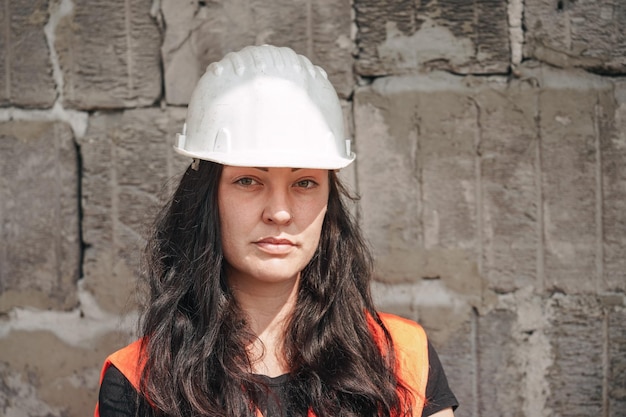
x=392, y=321
x=127, y=356
x=407, y=335
x=127, y=361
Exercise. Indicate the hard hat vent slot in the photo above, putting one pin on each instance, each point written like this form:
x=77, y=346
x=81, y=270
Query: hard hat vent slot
x=181, y=140
x=311, y=69
x=277, y=58
x=259, y=61
x=237, y=62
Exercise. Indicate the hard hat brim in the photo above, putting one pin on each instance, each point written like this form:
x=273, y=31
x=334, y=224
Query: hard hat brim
x=271, y=159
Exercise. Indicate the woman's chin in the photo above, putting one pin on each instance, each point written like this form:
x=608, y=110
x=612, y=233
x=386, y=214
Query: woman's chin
x=267, y=275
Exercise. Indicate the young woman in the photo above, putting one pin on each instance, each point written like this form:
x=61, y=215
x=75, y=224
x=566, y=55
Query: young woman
x=259, y=279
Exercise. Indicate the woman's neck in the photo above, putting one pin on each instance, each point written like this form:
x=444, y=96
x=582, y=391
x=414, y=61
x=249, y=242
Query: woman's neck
x=268, y=309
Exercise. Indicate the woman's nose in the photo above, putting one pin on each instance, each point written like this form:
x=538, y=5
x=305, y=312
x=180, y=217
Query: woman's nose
x=277, y=209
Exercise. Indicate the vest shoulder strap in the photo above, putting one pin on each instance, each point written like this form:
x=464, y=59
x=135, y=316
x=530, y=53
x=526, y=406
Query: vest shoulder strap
x=127, y=361
x=411, y=348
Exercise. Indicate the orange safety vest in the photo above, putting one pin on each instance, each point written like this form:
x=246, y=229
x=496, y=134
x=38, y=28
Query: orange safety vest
x=409, y=340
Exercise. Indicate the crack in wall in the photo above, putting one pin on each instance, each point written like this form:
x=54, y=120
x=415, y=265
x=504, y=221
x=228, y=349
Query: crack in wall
x=129, y=47
x=8, y=57
x=58, y=11
x=539, y=196
x=478, y=191
x=599, y=203
x=606, y=366
x=475, y=364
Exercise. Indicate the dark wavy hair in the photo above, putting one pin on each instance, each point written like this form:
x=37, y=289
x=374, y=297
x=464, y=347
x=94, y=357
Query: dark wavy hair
x=195, y=334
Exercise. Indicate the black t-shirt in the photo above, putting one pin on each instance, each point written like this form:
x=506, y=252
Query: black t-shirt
x=118, y=398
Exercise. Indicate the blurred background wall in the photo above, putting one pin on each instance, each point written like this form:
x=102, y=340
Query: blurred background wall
x=491, y=142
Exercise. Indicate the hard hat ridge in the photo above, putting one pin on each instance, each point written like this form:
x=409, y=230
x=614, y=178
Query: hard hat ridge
x=255, y=58
x=268, y=107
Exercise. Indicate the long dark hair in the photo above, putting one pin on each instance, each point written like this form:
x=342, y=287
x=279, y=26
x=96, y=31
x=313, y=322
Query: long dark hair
x=195, y=335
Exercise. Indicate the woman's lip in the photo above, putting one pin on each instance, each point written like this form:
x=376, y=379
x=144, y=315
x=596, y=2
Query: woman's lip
x=275, y=241
x=275, y=246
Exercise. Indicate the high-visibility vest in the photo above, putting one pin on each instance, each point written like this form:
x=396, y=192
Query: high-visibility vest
x=409, y=341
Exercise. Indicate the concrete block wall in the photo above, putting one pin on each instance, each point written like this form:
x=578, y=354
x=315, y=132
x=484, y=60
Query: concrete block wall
x=491, y=142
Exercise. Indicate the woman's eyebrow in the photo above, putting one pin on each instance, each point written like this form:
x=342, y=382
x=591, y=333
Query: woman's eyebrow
x=267, y=169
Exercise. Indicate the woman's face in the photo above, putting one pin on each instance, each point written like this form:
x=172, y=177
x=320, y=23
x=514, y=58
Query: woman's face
x=271, y=220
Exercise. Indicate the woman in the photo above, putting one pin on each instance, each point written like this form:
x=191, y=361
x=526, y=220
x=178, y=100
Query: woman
x=259, y=279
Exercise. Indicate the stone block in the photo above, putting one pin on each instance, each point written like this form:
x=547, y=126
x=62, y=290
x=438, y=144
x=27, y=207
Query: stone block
x=416, y=173
x=129, y=167
x=617, y=362
x=388, y=179
x=508, y=144
x=570, y=33
x=417, y=168
x=109, y=62
x=577, y=341
x=448, y=125
x=25, y=65
x=198, y=33
x=499, y=371
x=570, y=138
x=401, y=36
x=613, y=156
x=39, y=215
x=63, y=382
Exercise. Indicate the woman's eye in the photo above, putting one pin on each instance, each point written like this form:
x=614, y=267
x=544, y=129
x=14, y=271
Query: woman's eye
x=306, y=184
x=245, y=181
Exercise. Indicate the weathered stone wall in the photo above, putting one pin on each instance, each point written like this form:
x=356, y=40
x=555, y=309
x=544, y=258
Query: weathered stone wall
x=491, y=142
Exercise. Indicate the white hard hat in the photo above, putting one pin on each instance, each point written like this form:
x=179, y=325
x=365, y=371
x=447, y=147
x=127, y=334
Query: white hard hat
x=265, y=107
